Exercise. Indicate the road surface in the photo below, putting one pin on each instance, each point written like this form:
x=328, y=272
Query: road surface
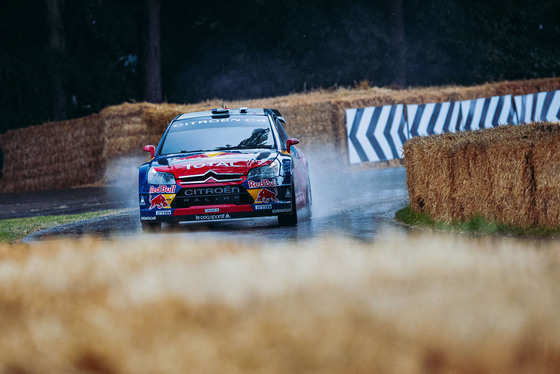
x=356, y=204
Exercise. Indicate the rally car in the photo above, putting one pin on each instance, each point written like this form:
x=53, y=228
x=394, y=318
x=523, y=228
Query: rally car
x=224, y=164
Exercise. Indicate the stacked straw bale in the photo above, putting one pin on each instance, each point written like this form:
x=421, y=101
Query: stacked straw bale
x=124, y=129
x=89, y=144
x=310, y=121
x=53, y=155
x=546, y=163
x=507, y=174
x=319, y=118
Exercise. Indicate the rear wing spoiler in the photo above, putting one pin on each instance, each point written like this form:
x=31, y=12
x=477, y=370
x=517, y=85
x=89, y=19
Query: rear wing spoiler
x=277, y=114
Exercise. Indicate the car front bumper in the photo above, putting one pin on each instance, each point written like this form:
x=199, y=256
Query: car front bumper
x=176, y=204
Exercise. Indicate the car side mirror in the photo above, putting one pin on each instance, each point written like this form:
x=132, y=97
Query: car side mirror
x=290, y=142
x=151, y=149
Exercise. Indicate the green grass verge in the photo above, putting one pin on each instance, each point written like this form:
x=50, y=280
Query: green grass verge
x=13, y=230
x=476, y=225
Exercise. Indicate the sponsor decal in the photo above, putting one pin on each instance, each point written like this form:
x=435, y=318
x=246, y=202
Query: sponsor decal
x=148, y=218
x=217, y=120
x=266, y=196
x=202, y=157
x=288, y=194
x=163, y=212
x=161, y=201
x=213, y=210
x=214, y=154
x=162, y=189
x=201, y=165
x=226, y=190
x=285, y=210
x=263, y=183
x=142, y=201
x=212, y=200
x=211, y=216
x=262, y=207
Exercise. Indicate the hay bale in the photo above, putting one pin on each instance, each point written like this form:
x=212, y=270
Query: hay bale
x=546, y=166
x=507, y=174
x=83, y=147
x=125, y=131
x=319, y=117
x=52, y=155
x=428, y=182
x=493, y=179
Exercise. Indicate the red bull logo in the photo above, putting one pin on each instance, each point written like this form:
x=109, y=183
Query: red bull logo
x=263, y=183
x=162, y=189
x=266, y=196
x=159, y=202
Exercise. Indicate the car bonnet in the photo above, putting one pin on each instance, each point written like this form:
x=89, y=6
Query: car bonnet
x=228, y=162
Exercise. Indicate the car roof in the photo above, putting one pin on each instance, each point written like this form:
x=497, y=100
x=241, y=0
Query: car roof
x=223, y=112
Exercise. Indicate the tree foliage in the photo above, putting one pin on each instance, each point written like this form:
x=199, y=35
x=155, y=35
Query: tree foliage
x=254, y=48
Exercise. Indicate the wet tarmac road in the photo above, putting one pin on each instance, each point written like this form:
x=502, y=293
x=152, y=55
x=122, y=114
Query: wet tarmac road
x=57, y=202
x=359, y=204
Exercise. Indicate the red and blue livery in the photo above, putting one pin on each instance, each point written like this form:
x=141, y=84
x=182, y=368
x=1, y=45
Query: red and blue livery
x=224, y=164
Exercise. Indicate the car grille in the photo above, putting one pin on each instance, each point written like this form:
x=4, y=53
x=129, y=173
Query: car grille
x=220, y=195
x=210, y=177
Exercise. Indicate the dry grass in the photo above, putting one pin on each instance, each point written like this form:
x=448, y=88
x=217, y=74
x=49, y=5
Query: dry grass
x=507, y=174
x=77, y=152
x=421, y=304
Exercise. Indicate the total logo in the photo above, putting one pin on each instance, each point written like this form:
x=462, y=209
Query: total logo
x=263, y=183
x=201, y=165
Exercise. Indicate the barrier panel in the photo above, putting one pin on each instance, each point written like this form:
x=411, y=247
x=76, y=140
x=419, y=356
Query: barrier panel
x=378, y=133
x=486, y=113
x=431, y=119
x=543, y=106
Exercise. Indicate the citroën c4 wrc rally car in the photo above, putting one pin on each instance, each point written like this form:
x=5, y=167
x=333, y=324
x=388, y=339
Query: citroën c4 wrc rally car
x=224, y=164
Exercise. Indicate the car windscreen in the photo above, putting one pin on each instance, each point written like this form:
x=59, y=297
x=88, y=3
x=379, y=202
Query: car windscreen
x=215, y=134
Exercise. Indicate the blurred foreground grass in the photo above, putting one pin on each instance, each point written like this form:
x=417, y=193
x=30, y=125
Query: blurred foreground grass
x=425, y=303
x=475, y=225
x=13, y=230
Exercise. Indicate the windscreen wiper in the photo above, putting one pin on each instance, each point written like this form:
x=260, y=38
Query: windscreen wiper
x=244, y=147
x=195, y=151
x=181, y=152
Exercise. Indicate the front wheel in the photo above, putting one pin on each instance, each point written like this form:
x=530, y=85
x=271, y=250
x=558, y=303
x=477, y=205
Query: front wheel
x=290, y=219
x=151, y=226
x=309, y=208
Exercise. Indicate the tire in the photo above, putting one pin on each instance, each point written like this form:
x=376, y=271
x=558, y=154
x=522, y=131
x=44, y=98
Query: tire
x=151, y=226
x=309, y=207
x=290, y=219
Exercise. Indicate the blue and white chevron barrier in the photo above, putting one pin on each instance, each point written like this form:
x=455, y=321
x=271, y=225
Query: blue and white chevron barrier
x=431, y=119
x=486, y=113
x=378, y=133
x=543, y=106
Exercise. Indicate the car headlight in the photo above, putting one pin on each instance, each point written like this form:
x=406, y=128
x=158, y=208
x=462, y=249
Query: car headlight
x=270, y=171
x=156, y=177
